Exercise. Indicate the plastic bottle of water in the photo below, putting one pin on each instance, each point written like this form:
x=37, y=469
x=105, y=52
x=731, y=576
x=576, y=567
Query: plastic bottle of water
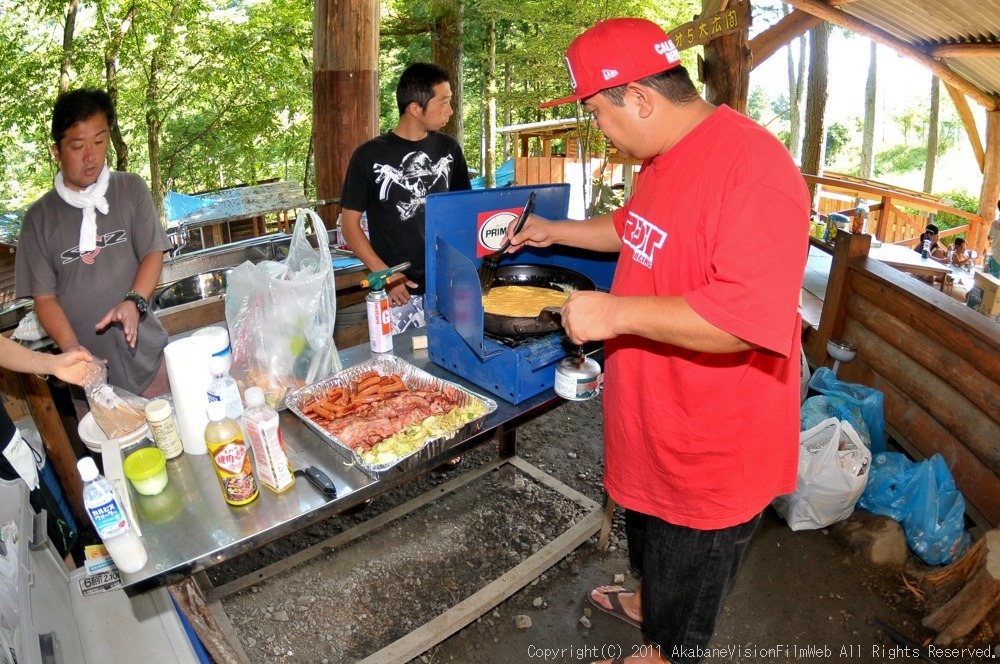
x=223, y=388
x=110, y=519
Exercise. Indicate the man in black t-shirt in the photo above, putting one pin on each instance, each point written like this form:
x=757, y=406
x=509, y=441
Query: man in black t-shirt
x=389, y=178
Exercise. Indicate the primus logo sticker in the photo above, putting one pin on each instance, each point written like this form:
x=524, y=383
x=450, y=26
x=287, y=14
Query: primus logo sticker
x=493, y=229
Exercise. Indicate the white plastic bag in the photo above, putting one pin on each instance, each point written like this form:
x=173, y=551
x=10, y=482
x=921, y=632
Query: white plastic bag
x=833, y=471
x=281, y=316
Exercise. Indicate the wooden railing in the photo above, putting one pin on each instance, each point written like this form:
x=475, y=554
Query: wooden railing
x=936, y=361
x=887, y=221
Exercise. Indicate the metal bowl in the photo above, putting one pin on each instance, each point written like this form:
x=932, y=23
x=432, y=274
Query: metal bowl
x=192, y=289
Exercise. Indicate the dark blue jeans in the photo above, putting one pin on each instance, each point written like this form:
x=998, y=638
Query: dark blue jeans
x=686, y=575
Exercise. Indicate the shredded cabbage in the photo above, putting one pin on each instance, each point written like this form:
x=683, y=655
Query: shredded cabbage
x=416, y=435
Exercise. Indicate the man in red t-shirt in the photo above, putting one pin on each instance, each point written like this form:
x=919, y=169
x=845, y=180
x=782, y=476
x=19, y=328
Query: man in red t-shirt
x=701, y=328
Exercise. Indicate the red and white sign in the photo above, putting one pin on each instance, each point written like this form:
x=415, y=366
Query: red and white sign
x=493, y=229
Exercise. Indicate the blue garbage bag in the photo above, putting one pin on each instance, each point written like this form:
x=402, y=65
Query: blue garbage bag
x=818, y=408
x=923, y=498
x=868, y=399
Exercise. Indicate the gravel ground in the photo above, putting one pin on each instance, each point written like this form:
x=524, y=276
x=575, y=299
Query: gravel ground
x=798, y=595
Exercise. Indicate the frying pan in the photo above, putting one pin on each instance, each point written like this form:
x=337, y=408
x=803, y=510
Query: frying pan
x=542, y=276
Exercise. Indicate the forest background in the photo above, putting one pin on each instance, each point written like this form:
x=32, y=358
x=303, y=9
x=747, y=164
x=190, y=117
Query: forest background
x=217, y=93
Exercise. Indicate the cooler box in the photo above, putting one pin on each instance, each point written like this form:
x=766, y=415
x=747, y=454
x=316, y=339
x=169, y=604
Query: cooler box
x=984, y=296
x=47, y=618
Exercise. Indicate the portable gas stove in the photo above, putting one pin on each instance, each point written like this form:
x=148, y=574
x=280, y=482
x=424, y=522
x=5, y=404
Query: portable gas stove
x=462, y=227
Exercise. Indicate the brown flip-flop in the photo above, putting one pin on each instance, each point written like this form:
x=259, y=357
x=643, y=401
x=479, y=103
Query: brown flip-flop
x=616, y=610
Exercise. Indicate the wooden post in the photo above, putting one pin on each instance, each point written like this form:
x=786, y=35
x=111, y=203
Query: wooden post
x=726, y=71
x=57, y=446
x=831, y=323
x=990, y=191
x=345, y=91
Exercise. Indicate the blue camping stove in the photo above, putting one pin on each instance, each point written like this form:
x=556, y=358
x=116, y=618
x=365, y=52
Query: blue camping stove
x=461, y=228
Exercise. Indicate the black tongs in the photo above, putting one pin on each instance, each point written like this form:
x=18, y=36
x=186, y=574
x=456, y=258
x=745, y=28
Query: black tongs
x=488, y=268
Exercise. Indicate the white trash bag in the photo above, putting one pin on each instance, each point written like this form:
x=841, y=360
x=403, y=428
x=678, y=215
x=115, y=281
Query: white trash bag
x=833, y=472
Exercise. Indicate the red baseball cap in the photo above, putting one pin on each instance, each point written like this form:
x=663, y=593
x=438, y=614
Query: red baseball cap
x=615, y=52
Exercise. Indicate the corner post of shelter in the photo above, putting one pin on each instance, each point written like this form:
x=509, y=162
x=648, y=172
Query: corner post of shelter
x=58, y=448
x=831, y=322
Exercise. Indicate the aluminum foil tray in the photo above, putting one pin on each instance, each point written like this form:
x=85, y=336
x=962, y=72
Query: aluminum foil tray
x=413, y=377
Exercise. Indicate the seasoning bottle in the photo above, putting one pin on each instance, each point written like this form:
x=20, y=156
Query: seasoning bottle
x=160, y=417
x=110, y=519
x=261, y=424
x=224, y=440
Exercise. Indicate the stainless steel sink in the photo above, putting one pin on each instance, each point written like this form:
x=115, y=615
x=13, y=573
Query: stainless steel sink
x=192, y=289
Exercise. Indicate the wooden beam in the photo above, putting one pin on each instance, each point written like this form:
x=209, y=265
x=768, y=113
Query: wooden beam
x=990, y=50
x=764, y=45
x=969, y=122
x=818, y=8
x=990, y=191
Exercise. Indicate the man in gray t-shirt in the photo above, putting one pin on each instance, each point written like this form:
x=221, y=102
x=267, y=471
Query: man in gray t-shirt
x=91, y=251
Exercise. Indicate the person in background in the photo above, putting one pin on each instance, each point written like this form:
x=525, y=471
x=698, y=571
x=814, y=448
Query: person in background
x=388, y=179
x=992, y=262
x=701, y=329
x=70, y=367
x=91, y=251
x=931, y=233
x=960, y=257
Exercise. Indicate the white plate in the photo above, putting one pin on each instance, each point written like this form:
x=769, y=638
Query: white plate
x=93, y=437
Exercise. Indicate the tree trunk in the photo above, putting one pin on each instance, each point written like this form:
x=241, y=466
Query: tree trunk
x=154, y=122
x=796, y=76
x=932, y=134
x=727, y=66
x=967, y=592
x=111, y=75
x=508, y=117
x=345, y=90
x=446, y=51
x=491, y=104
x=67, y=60
x=868, y=132
x=814, y=141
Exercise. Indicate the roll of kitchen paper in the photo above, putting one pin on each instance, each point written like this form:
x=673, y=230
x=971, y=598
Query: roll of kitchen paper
x=187, y=369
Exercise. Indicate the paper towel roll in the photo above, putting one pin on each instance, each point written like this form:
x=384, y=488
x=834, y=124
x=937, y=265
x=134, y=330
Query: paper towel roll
x=187, y=369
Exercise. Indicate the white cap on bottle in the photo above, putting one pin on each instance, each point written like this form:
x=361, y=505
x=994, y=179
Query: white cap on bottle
x=218, y=365
x=87, y=469
x=216, y=411
x=254, y=397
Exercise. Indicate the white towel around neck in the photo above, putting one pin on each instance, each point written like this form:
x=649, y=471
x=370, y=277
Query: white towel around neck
x=88, y=200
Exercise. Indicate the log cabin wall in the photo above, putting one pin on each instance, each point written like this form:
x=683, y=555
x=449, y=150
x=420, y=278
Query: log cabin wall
x=936, y=361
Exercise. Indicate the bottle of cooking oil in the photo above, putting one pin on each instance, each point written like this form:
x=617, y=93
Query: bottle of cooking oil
x=224, y=439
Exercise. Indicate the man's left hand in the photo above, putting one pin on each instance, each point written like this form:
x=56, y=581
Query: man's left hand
x=589, y=316
x=125, y=314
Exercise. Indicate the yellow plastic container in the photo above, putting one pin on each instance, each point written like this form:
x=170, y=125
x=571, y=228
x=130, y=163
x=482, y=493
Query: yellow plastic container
x=147, y=470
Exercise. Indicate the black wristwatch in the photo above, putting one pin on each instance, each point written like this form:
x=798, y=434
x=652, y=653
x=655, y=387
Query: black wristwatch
x=140, y=302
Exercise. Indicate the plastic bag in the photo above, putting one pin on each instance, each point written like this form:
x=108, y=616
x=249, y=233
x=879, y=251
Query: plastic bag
x=868, y=399
x=118, y=412
x=817, y=408
x=924, y=499
x=833, y=470
x=281, y=316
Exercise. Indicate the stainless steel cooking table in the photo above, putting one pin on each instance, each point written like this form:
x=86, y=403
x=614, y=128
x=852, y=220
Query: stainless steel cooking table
x=189, y=528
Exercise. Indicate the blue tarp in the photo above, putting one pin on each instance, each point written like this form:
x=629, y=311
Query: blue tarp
x=177, y=205
x=504, y=176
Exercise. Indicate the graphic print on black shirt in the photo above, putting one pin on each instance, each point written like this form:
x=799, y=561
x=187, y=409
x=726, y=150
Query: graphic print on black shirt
x=408, y=185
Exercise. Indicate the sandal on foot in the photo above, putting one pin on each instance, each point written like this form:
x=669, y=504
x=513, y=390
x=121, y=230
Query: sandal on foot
x=616, y=610
x=449, y=465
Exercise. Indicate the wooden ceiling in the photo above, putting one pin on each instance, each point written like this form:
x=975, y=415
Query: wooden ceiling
x=957, y=40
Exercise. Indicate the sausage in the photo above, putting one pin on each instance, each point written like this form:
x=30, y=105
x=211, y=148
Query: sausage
x=323, y=412
x=394, y=387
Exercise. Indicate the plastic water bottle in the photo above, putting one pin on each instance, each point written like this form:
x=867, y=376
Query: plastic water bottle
x=110, y=519
x=223, y=388
x=926, y=253
x=261, y=424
